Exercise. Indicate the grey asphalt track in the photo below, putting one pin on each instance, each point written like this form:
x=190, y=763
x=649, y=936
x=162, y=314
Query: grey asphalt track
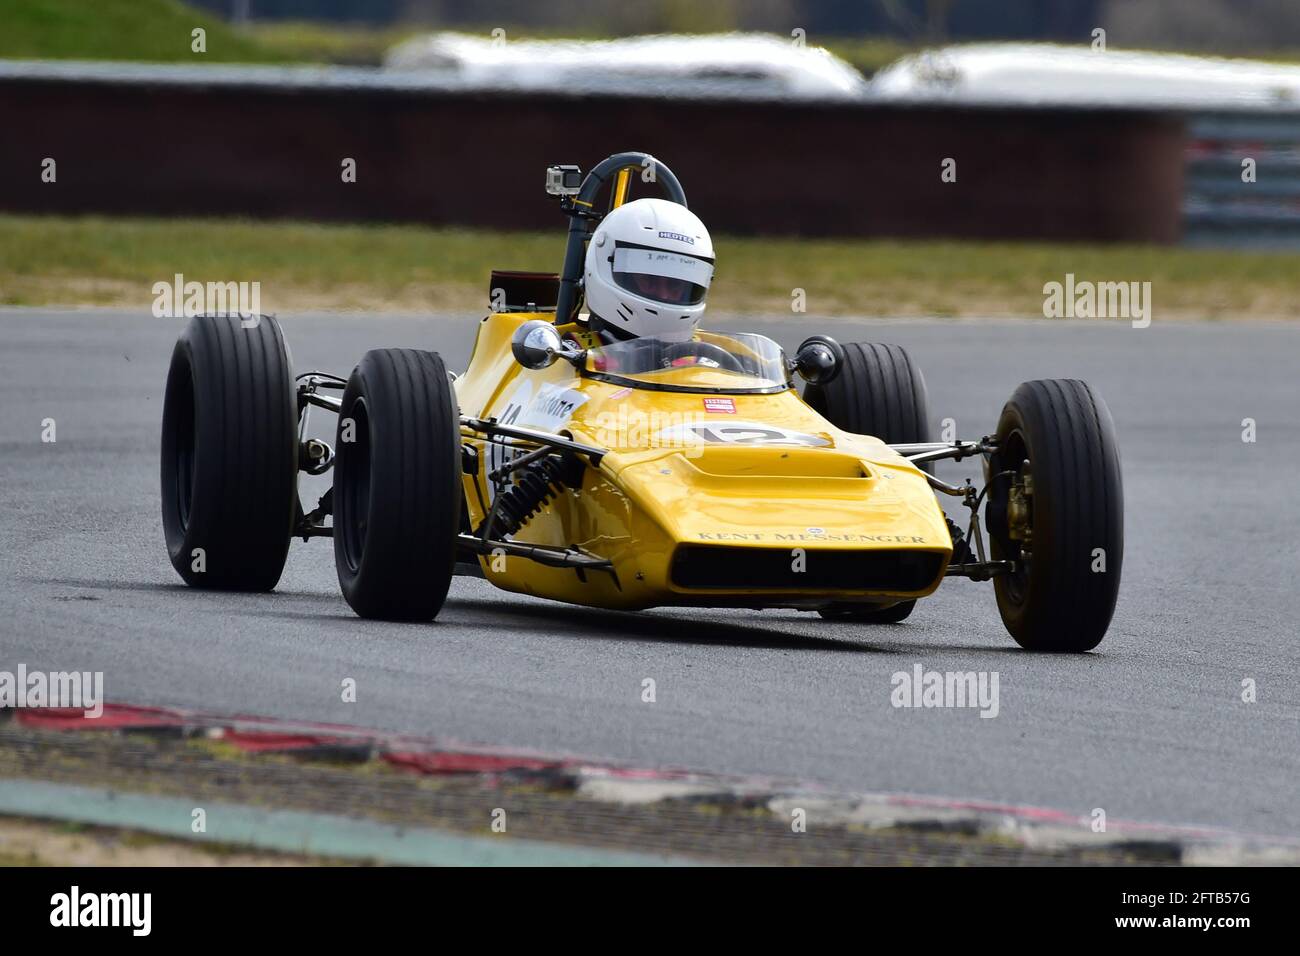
x=1150, y=727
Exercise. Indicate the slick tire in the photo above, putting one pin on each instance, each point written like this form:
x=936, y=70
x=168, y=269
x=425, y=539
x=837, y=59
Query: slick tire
x=1062, y=596
x=879, y=392
x=397, y=486
x=229, y=453
x=869, y=613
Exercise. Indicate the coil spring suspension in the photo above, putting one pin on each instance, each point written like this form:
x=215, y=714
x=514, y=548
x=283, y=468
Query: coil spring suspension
x=534, y=487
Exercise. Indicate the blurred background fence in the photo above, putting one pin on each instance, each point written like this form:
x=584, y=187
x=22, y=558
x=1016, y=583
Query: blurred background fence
x=1050, y=142
x=1222, y=209
x=255, y=142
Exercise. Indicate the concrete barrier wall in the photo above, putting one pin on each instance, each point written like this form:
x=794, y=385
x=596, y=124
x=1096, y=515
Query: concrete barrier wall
x=447, y=157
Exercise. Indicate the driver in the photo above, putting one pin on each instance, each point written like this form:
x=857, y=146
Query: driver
x=647, y=272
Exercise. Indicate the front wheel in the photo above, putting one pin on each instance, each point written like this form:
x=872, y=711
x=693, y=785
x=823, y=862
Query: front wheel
x=1056, y=508
x=229, y=453
x=397, y=486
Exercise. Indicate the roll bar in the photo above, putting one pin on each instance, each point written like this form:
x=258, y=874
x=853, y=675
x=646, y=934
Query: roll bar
x=582, y=214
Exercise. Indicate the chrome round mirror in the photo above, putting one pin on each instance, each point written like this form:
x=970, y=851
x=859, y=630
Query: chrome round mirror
x=536, y=344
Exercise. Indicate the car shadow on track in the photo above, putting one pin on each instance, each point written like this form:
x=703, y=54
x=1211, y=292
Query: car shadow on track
x=105, y=584
x=558, y=619
x=178, y=588
x=585, y=623
x=920, y=636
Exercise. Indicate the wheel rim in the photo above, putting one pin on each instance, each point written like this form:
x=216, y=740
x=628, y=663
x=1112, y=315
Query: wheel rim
x=354, y=477
x=1012, y=455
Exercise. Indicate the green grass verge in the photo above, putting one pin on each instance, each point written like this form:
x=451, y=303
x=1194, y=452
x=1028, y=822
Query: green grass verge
x=102, y=261
x=159, y=31
x=152, y=30
x=314, y=42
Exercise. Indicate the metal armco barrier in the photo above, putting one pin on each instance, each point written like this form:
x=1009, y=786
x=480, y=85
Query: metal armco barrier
x=1229, y=204
x=270, y=143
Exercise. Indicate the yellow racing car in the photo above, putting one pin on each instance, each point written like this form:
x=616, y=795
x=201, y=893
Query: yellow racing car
x=635, y=472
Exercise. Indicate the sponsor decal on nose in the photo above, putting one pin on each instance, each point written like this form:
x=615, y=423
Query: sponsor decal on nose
x=725, y=406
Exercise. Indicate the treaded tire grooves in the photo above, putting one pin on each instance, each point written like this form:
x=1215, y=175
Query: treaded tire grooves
x=397, y=486
x=1060, y=603
x=229, y=454
x=878, y=392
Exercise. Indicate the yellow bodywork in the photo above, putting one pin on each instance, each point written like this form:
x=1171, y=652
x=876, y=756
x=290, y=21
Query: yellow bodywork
x=653, y=495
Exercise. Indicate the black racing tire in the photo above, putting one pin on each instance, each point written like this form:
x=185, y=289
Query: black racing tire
x=397, y=486
x=869, y=613
x=229, y=454
x=879, y=391
x=1063, y=594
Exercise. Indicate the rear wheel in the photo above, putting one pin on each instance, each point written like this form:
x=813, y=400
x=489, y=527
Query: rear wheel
x=880, y=392
x=397, y=486
x=869, y=613
x=1056, y=508
x=229, y=453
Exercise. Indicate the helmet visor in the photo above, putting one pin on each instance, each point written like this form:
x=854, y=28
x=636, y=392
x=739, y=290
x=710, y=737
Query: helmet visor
x=669, y=277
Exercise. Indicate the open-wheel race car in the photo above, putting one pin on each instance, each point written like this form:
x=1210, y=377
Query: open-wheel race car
x=635, y=472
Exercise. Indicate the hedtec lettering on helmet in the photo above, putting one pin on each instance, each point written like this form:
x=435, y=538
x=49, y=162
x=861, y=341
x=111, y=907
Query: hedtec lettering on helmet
x=678, y=236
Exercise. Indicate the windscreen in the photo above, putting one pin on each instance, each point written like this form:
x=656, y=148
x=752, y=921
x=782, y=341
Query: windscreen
x=708, y=362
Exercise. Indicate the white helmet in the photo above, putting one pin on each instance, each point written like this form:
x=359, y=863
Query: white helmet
x=648, y=269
